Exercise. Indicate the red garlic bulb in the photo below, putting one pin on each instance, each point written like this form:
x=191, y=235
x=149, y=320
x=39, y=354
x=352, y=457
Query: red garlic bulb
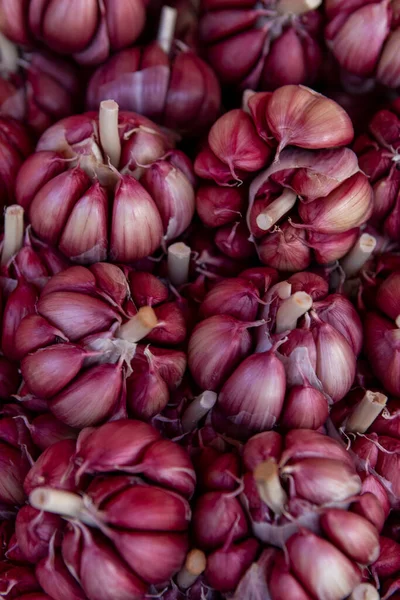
x=78, y=348
x=26, y=265
x=288, y=376
x=306, y=204
x=15, y=448
x=23, y=256
x=15, y=146
x=378, y=152
x=128, y=528
x=302, y=493
x=36, y=88
x=375, y=425
x=280, y=38
x=188, y=92
x=89, y=31
x=358, y=53
x=382, y=334
x=81, y=188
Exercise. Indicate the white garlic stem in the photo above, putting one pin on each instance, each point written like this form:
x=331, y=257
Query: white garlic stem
x=166, y=29
x=276, y=210
x=194, y=566
x=13, y=232
x=109, y=134
x=291, y=310
x=358, y=255
x=198, y=409
x=60, y=502
x=178, y=263
x=138, y=326
x=366, y=411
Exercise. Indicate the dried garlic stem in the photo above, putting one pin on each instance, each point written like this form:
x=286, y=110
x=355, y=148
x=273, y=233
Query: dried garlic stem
x=194, y=566
x=266, y=476
x=198, y=409
x=13, y=232
x=291, y=310
x=366, y=411
x=60, y=502
x=276, y=210
x=166, y=29
x=8, y=55
x=178, y=263
x=109, y=134
x=358, y=255
x=138, y=326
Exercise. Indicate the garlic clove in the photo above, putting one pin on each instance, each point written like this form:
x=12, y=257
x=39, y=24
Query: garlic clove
x=321, y=568
x=234, y=140
x=52, y=205
x=48, y=370
x=352, y=534
x=298, y=116
x=153, y=556
x=84, y=238
x=91, y=398
x=136, y=229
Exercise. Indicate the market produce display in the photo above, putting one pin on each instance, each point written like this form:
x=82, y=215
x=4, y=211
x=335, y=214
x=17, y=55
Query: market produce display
x=200, y=300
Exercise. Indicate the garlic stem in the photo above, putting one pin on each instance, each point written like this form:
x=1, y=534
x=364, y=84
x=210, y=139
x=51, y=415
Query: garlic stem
x=292, y=309
x=138, y=326
x=366, y=411
x=247, y=94
x=194, y=566
x=284, y=290
x=364, y=591
x=266, y=476
x=297, y=7
x=166, y=30
x=8, y=55
x=358, y=255
x=13, y=232
x=276, y=210
x=109, y=134
x=198, y=409
x=178, y=263
x=60, y=502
